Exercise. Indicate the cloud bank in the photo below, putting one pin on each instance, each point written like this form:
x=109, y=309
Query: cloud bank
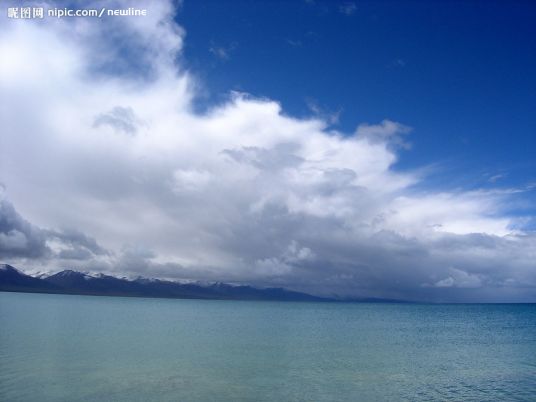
x=107, y=167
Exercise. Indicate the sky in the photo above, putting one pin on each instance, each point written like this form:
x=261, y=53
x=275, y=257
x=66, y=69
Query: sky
x=357, y=149
x=459, y=72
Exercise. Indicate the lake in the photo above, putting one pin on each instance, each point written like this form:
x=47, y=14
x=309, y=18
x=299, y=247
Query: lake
x=84, y=348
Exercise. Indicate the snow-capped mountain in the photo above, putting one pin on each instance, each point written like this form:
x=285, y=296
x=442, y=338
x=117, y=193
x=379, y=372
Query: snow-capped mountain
x=74, y=282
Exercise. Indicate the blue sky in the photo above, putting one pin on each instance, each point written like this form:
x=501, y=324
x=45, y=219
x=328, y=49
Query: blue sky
x=367, y=149
x=460, y=73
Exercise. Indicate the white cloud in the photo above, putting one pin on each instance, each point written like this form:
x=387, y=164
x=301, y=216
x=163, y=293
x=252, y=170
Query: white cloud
x=220, y=52
x=459, y=278
x=348, y=8
x=330, y=117
x=242, y=193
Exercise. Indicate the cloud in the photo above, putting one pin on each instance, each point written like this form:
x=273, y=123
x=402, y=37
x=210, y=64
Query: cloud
x=22, y=241
x=118, y=118
x=75, y=244
x=496, y=178
x=111, y=148
x=459, y=278
x=399, y=63
x=348, y=8
x=18, y=237
x=219, y=52
x=294, y=42
x=329, y=117
x=385, y=132
x=222, y=52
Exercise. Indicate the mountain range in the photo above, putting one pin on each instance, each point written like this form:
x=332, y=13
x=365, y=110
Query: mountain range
x=79, y=283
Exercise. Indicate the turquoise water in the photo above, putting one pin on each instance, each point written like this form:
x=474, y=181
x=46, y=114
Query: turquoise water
x=83, y=348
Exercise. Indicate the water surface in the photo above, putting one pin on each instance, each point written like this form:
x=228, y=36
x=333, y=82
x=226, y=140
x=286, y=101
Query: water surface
x=83, y=348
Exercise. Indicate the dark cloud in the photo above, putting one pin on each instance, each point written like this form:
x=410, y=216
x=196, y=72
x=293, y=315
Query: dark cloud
x=75, y=238
x=18, y=237
x=75, y=245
